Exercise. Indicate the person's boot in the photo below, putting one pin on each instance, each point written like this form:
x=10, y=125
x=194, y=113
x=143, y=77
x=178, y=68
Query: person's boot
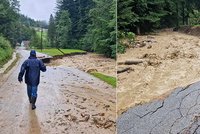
x=33, y=102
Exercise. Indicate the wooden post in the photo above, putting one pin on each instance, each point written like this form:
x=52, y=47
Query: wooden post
x=41, y=39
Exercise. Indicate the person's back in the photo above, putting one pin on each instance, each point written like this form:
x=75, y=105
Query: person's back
x=31, y=67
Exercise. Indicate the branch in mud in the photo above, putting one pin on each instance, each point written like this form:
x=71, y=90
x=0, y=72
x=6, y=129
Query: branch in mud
x=131, y=62
x=123, y=70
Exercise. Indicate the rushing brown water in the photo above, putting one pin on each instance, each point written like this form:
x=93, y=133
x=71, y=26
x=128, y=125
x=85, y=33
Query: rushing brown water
x=171, y=60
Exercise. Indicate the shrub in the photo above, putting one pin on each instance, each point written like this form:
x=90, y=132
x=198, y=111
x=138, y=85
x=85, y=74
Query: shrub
x=125, y=39
x=5, y=51
x=121, y=48
x=130, y=36
x=195, y=18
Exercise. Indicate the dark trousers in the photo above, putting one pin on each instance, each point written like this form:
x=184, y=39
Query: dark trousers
x=32, y=91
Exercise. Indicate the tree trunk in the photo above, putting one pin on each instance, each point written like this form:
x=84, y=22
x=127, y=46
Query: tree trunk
x=177, y=16
x=183, y=11
x=138, y=30
x=187, y=20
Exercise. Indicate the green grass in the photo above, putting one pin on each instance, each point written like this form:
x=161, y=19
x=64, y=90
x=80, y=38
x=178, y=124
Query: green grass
x=56, y=52
x=51, y=52
x=108, y=79
x=69, y=51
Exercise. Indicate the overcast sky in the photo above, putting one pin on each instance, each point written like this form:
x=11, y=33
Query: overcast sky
x=38, y=9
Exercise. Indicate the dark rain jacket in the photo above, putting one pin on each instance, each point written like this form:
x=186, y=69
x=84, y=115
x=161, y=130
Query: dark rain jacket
x=31, y=67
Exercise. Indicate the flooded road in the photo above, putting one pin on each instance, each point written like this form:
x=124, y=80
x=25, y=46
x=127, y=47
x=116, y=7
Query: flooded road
x=69, y=101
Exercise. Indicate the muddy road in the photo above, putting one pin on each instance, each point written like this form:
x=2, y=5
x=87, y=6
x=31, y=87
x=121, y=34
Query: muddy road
x=87, y=62
x=69, y=101
x=170, y=60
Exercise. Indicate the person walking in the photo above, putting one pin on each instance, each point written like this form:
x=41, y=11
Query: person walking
x=32, y=67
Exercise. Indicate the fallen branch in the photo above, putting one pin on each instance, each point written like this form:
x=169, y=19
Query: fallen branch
x=121, y=70
x=130, y=62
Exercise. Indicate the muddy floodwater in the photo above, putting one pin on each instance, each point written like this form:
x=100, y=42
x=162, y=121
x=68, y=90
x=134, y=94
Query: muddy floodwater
x=170, y=60
x=69, y=101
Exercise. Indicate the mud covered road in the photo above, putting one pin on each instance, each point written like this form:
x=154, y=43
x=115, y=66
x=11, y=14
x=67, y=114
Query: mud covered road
x=69, y=101
x=87, y=62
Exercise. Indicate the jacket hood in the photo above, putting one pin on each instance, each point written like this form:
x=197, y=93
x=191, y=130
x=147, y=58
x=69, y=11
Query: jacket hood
x=32, y=53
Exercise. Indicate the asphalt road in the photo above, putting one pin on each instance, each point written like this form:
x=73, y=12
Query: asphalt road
x=69, y=101
x=179, y=113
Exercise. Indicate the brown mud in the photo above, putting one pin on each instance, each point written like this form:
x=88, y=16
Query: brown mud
x=88, y=62
x=170, y=60
x=69, y=101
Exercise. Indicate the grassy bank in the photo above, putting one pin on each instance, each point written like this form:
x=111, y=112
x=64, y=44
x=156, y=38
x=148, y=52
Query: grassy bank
x=13, y=64
x=108, y=79
x=5, y=51
x=56, y=52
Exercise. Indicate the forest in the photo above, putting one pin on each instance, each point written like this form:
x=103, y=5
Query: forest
x=14, y=28
x=9, y=24
x=141, y=16
x=88, y=25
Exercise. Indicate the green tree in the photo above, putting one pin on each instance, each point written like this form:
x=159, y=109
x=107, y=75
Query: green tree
x=101, y=35
x=125, y=16
x=15, y=5
x=35, y=40
x=92, y=27
x=63, y=29
x=79, y=16
x=51, y=31
x=9, y=19
x=147, y=15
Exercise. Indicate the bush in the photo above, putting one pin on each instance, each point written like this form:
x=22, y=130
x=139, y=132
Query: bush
x=125, y=39
x=121, y=34
x=5, y=51
x=121, y=48
x=130, y=36
x=195, y=18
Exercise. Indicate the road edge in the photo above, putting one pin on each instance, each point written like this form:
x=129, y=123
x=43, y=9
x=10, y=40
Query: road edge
x=10, y=64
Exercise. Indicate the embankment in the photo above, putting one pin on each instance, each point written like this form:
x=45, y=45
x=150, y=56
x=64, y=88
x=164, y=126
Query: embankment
x=191, y=30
